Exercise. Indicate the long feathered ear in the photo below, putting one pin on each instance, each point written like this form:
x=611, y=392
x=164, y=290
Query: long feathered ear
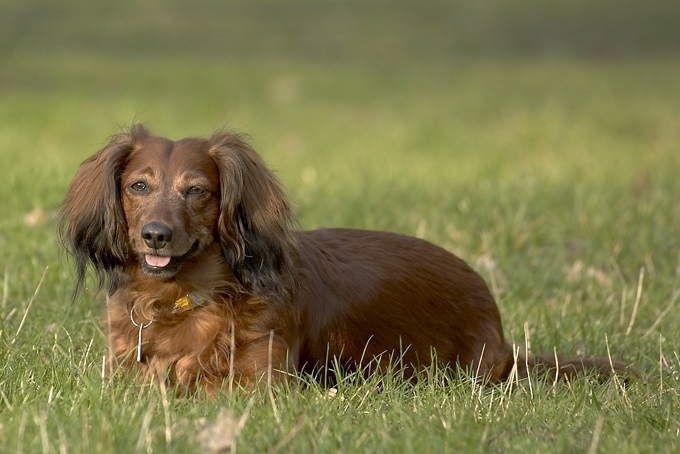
x=254, y=219
x=91, y=221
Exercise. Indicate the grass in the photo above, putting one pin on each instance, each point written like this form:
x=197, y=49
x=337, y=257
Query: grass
x=552, y=169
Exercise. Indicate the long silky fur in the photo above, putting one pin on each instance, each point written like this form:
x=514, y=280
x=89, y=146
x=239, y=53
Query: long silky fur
x=255, y=218
x=91, y=224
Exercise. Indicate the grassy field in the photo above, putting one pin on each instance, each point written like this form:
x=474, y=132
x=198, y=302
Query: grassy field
x=540, y=144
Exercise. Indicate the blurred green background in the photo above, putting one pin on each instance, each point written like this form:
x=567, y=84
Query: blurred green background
x=342, y=84
x=405, y=31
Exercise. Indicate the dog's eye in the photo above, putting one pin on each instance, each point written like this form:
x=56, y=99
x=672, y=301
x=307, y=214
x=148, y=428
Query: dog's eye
x=195, y=190
x=138, y=186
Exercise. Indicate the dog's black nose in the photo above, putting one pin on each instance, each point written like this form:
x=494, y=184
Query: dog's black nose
x=156, y=235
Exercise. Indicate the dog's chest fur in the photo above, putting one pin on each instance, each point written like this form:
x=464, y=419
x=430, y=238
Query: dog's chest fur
x=202, y=345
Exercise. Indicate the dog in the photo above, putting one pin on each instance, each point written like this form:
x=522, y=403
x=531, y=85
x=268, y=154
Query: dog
x=208, y=283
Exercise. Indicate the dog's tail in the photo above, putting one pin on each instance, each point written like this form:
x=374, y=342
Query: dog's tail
x=558, y=368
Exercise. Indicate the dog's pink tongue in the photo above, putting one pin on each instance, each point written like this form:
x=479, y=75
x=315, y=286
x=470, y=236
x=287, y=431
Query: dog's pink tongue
x=157, y=261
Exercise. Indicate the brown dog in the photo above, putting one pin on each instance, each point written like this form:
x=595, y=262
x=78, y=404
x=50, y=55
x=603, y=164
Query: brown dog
x=207, y=282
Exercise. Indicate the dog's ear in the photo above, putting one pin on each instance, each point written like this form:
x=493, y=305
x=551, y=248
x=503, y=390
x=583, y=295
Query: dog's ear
x=254, y=219
x=91, y=221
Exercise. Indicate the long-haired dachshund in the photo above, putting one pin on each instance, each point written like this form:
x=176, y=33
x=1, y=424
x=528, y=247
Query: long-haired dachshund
x=206, y=281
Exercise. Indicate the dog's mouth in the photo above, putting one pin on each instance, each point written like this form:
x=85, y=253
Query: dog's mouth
x=157, y=261
x=165, y=266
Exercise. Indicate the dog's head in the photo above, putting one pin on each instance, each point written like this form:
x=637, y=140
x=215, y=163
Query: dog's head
x=147, y=203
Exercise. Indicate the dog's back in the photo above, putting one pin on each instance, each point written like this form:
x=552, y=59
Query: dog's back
x=371, y=294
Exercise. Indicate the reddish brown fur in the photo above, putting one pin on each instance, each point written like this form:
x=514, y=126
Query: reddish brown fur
x=277, y=301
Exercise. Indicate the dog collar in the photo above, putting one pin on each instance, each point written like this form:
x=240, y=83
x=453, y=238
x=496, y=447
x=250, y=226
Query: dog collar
x=183, y=304
x=186, y=303
x=189, y=301
x=141, y=327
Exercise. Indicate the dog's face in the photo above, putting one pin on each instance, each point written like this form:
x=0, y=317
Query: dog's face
x=171, y=202
x=146, y=201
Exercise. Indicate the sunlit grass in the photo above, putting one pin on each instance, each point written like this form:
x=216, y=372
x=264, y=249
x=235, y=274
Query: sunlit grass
x=555, y=177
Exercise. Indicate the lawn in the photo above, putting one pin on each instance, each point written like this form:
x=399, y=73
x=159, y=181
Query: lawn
x=541, y=144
